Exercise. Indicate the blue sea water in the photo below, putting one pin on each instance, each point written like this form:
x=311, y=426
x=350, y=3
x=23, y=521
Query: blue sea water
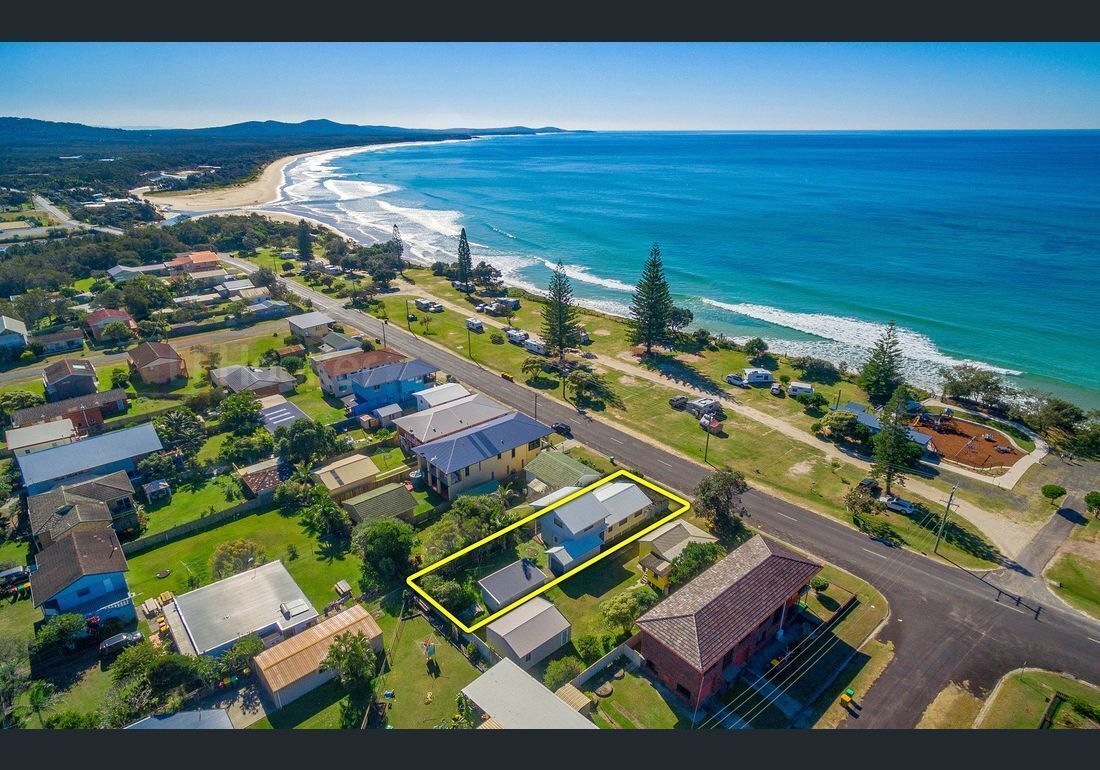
x=983, y=246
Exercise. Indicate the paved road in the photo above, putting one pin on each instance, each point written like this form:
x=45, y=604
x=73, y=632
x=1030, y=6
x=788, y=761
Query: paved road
x=946, y=624
x=69, y=222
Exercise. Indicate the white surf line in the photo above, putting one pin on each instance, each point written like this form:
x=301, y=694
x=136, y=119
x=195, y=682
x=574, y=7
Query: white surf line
x=874, y=553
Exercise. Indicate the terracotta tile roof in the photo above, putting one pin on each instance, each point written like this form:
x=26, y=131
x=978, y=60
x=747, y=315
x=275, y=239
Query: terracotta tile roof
x=75, y=555
x=104, y=315
x=358, y=360
x=710, y=615
x=265, y=475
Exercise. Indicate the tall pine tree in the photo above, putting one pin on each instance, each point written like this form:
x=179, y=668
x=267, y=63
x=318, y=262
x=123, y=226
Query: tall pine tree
x=894, y=452
x=881, y=374
x=560, y=329
x=465, y=263
x=400, y=248
x=305, y=241
x=651, y=311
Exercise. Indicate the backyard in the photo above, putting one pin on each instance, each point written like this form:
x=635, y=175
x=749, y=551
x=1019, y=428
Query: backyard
x=634, y=703
x=315, y=564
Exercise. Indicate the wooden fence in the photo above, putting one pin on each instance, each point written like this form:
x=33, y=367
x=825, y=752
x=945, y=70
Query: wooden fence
x=200, y=524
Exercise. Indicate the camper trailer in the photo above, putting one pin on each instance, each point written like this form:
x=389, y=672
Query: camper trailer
x=535, y=345
x=754, y=376
x=516, y=336
x=799, y=389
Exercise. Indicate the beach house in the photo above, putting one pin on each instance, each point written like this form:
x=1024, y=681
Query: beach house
x=85, y=412
x=577, y=530
x=157, y=363
x=530, y=633
x=102, y=502
x=260, y=380
x=448, y=418
x=13, y=335
x=311, y=327
x=511, y=699
x=335, y=369
x=98, y=320
x=388, y=384
x=60, y=342
x=659, y=547
x=83, y=573
x=481, y=456
x=119, y=450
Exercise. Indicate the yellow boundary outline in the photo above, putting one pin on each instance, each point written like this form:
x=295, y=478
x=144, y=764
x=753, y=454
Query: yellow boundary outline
x=683, y=504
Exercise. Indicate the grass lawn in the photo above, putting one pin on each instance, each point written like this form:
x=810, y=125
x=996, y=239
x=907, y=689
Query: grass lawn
x=17, y=618
x=80, y=684
x=579, y=597
x=634, y=704
x=388, y=459
x=771, y=460
x=411, y=680
x=1080, y=582
x=208, y=455
x=192, y=500
x=318, y=406
x=1024, y=695
x=953, y=709
x=317, y=567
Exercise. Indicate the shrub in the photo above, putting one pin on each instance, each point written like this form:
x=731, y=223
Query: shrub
x=1092, y=503
x=589, y=647
x=496, y=338
x=561, y=672
x=1053, y=491
x=59, y=631
x=819, y=583
x=235, y=556
x=784, y=378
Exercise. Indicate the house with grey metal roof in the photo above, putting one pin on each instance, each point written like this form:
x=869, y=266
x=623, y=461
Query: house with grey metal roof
x=263, y=600
x=509, y=583
x=338, y=341
x=530, y=633
x=608, y=512
x=493, y=451
x=312, y=327
x=234, y=287
x=511, y=699
x=391, y=383
x=439, y=395
x=35, y=438
x=448, y=418
x=261, y=380
x=13, y=333
x=195, y=719
x=119, y=450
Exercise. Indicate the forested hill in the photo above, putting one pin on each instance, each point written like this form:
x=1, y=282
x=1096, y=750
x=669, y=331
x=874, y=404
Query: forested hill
x=43, y=155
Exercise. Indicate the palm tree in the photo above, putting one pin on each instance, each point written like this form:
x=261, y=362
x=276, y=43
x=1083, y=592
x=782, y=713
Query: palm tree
x=532, y=367
x=40, y=699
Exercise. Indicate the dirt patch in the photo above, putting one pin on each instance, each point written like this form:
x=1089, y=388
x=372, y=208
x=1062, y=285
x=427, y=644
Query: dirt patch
x=626, y=379
x=802, y=468
x=968, y=443
x=688, y=357
x=1083, y=548
x=602, y=332
x=626, y=355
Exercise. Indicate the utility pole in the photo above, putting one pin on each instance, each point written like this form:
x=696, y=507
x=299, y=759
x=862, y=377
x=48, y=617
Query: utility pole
x=408, y=323
x=536, y=406
x=469, y=343
x=706, y=449
x=385, y=323
x=943, y=521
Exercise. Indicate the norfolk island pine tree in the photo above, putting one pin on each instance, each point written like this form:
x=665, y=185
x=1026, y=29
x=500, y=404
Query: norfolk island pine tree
x=651, y=309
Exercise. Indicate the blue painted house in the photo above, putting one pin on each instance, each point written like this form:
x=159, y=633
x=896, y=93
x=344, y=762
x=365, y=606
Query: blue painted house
x=119, y=450
x=388, y=384
x=83, y=573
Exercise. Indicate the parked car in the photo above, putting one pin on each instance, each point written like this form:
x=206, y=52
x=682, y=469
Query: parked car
x=119, y=642
x=736, y=379
x=508, y=376
x=870, y=487
x=562, y=428
x=777, y=391
x=14, y=576
x=435, y=308
x=678, y=402
x=897, y=504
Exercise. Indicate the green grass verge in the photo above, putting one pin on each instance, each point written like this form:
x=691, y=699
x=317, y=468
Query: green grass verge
x=1080, y=582
x=1024, y=696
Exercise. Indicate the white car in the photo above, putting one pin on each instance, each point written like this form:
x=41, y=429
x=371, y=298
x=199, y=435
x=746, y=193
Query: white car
x=736, y=379
x=897, y=504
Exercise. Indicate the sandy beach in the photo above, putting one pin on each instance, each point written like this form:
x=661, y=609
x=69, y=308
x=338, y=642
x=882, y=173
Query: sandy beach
x=263, y=189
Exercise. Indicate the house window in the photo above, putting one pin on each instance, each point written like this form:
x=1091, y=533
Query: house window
x=683, y=691
x=467, y=473
x=84, y=591
x=527, y=658
x=533, y=445
x=513, y=454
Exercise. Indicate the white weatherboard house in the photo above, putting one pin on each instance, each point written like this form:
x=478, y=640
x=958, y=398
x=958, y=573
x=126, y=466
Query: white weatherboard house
x=576, y=531
x=439, y=395
x=13, y=333
x=530, y=633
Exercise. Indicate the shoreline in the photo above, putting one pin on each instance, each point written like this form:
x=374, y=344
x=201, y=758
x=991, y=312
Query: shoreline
x=425, y=254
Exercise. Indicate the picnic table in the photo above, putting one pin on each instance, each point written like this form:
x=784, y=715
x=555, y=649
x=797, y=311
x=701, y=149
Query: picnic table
x=342, y=588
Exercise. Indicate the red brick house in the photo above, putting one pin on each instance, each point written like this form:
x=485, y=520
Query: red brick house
x=87, y=412
x=98, y=320
x=722, y=617
x=157, y=363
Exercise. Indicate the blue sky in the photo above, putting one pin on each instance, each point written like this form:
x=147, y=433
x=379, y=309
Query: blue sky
x=600, y=86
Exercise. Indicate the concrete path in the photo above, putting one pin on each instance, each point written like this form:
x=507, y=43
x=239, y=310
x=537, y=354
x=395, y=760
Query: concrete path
x=776, y=696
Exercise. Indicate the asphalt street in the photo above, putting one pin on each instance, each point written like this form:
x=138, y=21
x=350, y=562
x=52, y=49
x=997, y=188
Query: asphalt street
x=946, y=623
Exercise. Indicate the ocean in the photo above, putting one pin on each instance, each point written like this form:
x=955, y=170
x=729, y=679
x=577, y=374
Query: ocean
x=983, y=246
